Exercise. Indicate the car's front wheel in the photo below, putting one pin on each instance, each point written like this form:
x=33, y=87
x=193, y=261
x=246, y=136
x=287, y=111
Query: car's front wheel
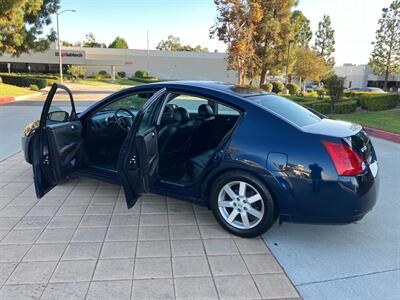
x=242, y=204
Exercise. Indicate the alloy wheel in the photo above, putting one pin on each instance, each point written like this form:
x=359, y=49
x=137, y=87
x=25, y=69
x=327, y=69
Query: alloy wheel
x=240, y=204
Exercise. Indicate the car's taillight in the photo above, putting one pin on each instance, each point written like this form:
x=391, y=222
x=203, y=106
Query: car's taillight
x=347, y=162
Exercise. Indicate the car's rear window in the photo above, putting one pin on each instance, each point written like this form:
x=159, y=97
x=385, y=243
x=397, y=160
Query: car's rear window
x=287, y=109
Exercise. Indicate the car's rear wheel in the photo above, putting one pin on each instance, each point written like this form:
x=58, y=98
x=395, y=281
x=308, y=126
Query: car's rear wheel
x=242, y=204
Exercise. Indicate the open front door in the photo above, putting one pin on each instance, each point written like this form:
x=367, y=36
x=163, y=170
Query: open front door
x=57, y=142
x=139, y=157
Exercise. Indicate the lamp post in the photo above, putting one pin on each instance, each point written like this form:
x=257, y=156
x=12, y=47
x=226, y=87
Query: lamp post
x=287, y=66
x=59, y=42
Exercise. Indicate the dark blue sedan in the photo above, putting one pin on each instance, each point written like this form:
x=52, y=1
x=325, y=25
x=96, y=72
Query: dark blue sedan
x=248, y=155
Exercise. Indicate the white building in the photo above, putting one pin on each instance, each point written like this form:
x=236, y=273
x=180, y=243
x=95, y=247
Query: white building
x=163, y=64
x=362, y=76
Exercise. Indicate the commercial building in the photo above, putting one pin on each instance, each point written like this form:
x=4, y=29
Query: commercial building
x=359, y=76
x=163, y=64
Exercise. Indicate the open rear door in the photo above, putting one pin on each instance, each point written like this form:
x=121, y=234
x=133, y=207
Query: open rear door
x=57, y=143
x=139, y=157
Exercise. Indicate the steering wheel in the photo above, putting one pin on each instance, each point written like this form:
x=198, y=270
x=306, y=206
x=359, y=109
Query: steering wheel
x=124, y=122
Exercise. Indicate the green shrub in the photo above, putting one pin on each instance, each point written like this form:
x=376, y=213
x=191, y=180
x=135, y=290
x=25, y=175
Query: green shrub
x=23, y=81
x=76, y=72
x=34, y=87
x=321, y=92
x=320, y=106
x=345, y=107
x=267, y=86
x=293, y=88
x=309, y=90
x=311, y=93
x=277, y=87
x=334, y=85
x=379, y=102
x=349, y=93
x=103, y=73
x=121, y=74
x=141, y=74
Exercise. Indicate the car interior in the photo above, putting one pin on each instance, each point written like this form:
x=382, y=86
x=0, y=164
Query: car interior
x=189, y=130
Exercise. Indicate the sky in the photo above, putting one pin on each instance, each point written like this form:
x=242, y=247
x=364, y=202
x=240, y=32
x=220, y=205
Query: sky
x=354, y=22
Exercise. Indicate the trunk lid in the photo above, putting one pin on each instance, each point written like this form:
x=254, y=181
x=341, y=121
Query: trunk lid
x=352, y=134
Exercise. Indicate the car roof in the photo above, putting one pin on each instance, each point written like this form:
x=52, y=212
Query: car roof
x=230, y=88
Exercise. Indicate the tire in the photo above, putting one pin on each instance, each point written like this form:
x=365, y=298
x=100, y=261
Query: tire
x=250, y=196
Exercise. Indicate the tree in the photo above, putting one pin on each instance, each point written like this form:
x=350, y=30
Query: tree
x=335, y=87
x=273, y=36
x=309, y=65
x=66, y=44
x=90, y=42
x=325, y=41
x=301, y=30
x=173, y=43
x=385, y=57
x=119, y=43
x=22, y=25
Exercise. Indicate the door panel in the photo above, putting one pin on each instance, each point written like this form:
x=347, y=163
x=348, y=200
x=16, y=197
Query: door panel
x=65, y=142
x=149, y=158
x=57, y=145
x=222, y=124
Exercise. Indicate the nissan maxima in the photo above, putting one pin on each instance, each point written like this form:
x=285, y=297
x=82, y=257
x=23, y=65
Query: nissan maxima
x=251, y=157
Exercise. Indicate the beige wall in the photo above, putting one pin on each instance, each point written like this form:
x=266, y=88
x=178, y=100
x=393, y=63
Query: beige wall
x=164, y=64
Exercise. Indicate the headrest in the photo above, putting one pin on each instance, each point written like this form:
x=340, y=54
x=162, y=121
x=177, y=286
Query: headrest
x=205, y=111
x=181, y=115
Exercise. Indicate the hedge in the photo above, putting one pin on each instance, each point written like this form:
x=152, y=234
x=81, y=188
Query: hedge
x=267, y=87
x=379, y=102
x=145, y=80
x=322, y=106
x=345, y=107
x=24, y=81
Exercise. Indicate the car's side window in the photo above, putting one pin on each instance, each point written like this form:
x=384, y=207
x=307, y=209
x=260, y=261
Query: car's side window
x=226, y=110
x=132, y=102
x=190, y=103
x=146, y=122
x=60, y=108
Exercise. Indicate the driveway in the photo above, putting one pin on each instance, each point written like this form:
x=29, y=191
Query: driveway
x=356, y=261
x=81, y=242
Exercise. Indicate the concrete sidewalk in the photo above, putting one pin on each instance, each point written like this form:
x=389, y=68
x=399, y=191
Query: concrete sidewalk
x=81, y=242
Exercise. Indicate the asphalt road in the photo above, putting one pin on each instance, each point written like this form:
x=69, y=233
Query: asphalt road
x=15, y=116
x=356, y=261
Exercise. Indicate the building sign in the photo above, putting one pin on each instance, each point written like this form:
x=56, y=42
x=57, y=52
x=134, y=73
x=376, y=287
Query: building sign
x=69, y=54
x=129, y=62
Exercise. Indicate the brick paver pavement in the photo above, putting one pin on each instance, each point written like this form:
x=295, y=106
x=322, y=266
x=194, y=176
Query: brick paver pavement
x=81, y=242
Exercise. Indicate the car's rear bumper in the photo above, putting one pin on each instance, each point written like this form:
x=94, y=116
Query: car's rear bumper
x=345, y=201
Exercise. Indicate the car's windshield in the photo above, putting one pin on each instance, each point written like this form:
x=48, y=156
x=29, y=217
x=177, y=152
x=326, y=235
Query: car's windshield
x=287, y=109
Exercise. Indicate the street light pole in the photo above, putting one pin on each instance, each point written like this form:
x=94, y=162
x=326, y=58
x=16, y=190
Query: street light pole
x=59, y=43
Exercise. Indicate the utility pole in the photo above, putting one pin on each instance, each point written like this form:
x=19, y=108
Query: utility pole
x=59, y=42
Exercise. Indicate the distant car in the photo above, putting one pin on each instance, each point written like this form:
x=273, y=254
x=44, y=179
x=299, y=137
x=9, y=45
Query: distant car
x=368, y=89
x=248, y=155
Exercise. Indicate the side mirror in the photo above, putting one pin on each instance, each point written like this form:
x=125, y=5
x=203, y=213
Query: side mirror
x=58, y=116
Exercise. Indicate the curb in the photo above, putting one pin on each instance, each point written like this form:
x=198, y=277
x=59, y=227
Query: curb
x=386, y=135
x=8, y=99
